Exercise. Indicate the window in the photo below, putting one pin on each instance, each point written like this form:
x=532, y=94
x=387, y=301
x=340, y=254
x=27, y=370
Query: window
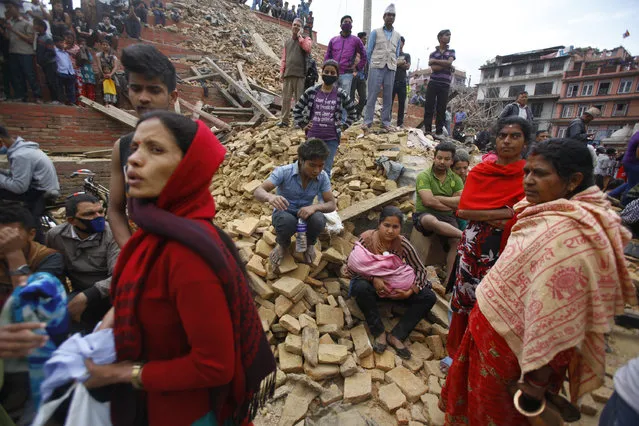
x=604, y=88
x=493, y=92
x=619, y=110
x=520, y=70
x=537, y=67
x=568, y=111
x=581, y=109
x=561, y=132
x=514, y=91
x=557, y=65
x=543, y=88
x=587, y=88
x=537, y=108
x=504, y=72
x=625, y=86
x=573, y=90
x=600, y=107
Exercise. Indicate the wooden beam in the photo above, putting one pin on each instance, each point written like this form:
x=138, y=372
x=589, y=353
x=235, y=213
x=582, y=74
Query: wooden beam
x=111, y=111
x=240, y=70
x=262, y=89
x=366, y=205
x=215, y=109
x=200, y=77
x=195, y=71
x=237, y=112
x=218, y=123
x=239, y=87
x=226, y=95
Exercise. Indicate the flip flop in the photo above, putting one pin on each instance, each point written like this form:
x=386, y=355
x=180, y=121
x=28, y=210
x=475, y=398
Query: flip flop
x=403, y=353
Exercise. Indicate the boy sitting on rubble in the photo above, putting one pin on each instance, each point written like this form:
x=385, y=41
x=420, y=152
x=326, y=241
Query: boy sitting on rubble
x=297, y=186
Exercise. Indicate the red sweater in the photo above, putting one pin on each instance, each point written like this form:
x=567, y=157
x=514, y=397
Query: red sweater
x=188, y=337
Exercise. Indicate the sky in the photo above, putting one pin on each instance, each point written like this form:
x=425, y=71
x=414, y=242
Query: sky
x=484, y=29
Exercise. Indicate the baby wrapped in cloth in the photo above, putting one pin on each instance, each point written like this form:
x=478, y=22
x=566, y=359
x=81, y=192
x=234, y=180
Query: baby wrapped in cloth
x=390, y=267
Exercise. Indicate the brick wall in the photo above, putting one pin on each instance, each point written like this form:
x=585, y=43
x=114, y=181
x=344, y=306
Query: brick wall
x=60, y=127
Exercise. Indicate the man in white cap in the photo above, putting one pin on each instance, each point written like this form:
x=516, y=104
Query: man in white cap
x=578, y=127
x=383, y=51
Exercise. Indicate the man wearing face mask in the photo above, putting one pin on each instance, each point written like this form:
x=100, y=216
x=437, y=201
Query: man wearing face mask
x=343, y=49
x=90, y=253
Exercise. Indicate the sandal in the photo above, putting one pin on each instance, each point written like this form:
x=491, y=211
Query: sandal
x=403, y=353
x=379, y=348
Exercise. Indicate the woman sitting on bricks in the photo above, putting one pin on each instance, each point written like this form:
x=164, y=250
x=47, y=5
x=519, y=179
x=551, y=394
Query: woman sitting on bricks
x=384, y=265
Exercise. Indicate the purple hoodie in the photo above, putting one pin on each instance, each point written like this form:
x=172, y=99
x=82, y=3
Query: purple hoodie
x=343, y=50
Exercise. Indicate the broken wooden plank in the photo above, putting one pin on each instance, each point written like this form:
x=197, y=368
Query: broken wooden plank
x=240, y=70
x=366, y=205
x=226, y=95
x=262, y=89
x=215, y=109
x=239, y=87
x=198, y=109
x=99, y=153
x=195, y=71
x=218, y=123
x=199, y=77
x=111, y=111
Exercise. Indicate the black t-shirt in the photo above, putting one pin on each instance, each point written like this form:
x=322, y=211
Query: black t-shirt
x=400, y=74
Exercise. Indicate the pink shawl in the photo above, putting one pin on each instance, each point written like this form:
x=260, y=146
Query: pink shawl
x=397, y=274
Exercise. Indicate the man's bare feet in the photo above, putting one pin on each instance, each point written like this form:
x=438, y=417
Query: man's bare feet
x=276, y=256
x=309, y=254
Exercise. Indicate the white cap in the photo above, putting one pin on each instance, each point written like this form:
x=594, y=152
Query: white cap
x=390, y=9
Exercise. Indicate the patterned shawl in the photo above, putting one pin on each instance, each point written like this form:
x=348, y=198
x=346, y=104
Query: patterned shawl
x=558, y=283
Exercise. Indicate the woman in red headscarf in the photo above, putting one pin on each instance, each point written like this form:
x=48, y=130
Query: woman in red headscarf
x=491, y=190
x=189, y=343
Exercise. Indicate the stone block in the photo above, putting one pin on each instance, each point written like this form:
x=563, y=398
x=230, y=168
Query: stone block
x=300, y=273
x=436, y=346
x=332, y=354
x=329, y=315
x=267, y=315
x=331, y=395
x=432, y=412
x=333, y=256
x=334, y=288
x=293, y=344
x=331, y=301
x=269, y=238
x=260, y=287
x=363, y=347
x=346, y=342
x=602, y=394
x=348, y=367
x=423, y=327
x=413, y=364
x=298, y=309
x=306, y=321
x=312, y=297
x=263, y=249
x=588, y=406
x=247, y=227
x=416, y=336
x=321, y=372
x=403, y=415
x=282, y=305
x=289, y=362
x=385, y=361
x=391, y=397
x=252, y=186
x=280, y=378
x=367, y=362
x=358, y=387
x=433, y=385
x=326, y=339
x=287, y=264
x=421, y=352
x=256, y=265
x=432, y=368
x=289, y=287
x=290, y=324
x=296, y=405
x=410, y=385
x=377, y=375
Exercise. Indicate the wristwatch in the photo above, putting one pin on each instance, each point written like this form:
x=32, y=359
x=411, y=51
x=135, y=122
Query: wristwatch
x=136, y=377
x=21, y=270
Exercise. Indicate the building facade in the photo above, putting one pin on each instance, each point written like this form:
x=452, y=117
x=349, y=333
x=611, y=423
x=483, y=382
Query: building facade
x=539, y=72
x=419, y=79
x=608, y=80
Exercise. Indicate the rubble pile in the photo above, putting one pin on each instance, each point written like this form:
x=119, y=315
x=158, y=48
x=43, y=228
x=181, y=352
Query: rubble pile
x=232, y=32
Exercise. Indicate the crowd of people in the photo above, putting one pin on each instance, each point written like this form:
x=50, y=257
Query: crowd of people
x=75, y=49
x=168, y=330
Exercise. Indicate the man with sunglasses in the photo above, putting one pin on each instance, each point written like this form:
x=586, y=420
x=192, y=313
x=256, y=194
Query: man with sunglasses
x=90, y=253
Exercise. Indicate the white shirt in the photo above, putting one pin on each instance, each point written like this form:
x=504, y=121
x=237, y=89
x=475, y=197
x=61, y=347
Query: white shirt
x=522, y=112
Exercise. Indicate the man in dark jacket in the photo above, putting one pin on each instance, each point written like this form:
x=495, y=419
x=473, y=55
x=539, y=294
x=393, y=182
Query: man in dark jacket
x=578, y=127
x=519, y=108
x=46, y=58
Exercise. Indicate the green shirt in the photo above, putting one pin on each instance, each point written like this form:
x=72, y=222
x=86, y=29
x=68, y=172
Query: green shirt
x=428, y=180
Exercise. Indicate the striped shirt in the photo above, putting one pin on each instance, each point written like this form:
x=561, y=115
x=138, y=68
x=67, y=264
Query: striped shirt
x=444, y=76
x=410, y=257
x=305, y=108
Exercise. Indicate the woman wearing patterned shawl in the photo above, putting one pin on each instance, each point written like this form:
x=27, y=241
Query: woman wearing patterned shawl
x=543, y=308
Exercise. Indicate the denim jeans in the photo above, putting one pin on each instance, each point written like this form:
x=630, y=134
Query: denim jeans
x=285, y=223
x=345, y=82
x=23, y=69
x=378, y=78
x=617, y=412
x=332, y=150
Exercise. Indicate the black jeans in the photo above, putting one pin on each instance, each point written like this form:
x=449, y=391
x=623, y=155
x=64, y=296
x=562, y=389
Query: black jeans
x=436, y=94
x=22, y=69
x=285, y=223
x=359, y=86
x=399, y=89
x=67, y=86
x=51, y=76
x=133, y=27
x=418, y=306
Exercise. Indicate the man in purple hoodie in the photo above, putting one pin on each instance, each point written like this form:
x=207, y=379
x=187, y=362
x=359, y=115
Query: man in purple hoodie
x=343, y=48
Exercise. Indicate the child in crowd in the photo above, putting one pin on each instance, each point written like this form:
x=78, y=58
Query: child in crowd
x=66, y=73
x=46, y=58
x=158, y=12
x=108, y=64
x=84, y=59
x=73, y=49
x=319, y=111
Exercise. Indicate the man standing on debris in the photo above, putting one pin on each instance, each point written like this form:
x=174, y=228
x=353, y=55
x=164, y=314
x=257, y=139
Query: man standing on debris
x=359, y=81
x=293, y=69
x=438, y=192
x=343, y=49
x=152, y=82
x=577, y=128
x=441, y=62
x=399, y=89
x=383, y=51
x=519, y=108
x=297, y=186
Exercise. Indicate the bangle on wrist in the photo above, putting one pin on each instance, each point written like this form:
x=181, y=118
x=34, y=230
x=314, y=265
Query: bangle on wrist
x=136, y=376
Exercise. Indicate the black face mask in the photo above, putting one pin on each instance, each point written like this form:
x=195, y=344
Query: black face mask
x=329, y=79
x=93, y=226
